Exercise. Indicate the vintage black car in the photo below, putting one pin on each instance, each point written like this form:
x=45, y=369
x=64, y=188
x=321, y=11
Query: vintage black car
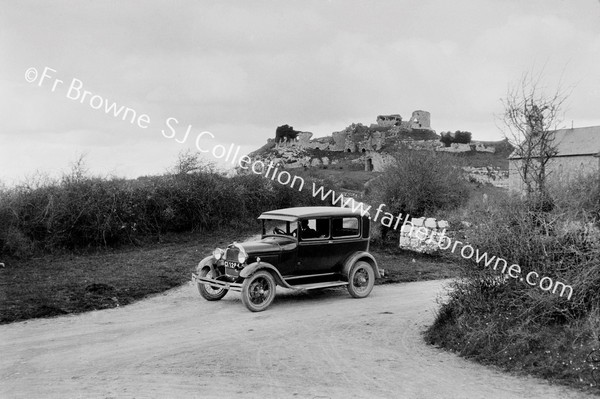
x=300, y=248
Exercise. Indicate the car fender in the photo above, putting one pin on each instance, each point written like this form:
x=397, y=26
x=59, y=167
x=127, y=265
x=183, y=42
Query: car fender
x=210, y=262
x=256, y=266
x=355, y=257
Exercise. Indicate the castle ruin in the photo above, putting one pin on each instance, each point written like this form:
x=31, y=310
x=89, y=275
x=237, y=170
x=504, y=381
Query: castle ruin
x=360, y=138
x=369, y=141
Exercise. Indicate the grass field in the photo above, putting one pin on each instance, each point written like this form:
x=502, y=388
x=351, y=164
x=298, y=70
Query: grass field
x=65, y=284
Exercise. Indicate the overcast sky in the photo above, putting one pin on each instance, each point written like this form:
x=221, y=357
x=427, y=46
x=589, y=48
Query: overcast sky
x=239, y=69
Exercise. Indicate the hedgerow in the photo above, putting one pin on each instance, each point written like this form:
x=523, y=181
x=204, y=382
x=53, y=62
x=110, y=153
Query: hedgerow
x=79, y=211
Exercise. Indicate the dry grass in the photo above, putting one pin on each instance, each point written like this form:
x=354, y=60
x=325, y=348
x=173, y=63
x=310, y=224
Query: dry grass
x=54, y=285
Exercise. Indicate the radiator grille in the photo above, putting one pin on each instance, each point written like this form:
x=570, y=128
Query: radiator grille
x=232, y=254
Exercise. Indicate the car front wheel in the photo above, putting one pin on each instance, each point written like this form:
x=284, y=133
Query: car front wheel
x=258, y=291
x=210, y=292
x=361, y=279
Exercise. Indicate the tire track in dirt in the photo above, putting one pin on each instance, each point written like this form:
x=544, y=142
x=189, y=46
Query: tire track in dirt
x=320, y=344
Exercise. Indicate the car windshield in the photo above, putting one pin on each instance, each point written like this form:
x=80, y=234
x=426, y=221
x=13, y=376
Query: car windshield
x=277, y=227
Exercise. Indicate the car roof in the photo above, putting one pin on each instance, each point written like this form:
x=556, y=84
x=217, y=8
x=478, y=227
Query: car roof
x=293, y=214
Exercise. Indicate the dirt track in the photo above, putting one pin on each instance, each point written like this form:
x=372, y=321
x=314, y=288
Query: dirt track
x=318, y=345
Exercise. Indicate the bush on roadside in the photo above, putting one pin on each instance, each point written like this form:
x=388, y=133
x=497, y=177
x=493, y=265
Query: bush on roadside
x=505, y=321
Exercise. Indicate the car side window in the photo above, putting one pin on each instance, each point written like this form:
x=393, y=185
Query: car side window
x=345, y=227
x=314, y=228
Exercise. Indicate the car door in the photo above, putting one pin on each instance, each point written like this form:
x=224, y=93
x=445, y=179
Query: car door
x=314, y=254
x=345, y=238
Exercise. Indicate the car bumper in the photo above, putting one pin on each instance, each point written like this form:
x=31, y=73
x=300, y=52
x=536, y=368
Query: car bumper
x=216, y=283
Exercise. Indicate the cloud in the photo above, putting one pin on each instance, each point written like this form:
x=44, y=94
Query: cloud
x=240, y=69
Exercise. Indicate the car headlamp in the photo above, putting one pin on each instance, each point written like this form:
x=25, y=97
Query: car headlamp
x=242, y=256
x=218, y=253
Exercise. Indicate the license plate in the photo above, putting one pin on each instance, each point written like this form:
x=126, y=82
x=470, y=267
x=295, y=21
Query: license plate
x=233, y=265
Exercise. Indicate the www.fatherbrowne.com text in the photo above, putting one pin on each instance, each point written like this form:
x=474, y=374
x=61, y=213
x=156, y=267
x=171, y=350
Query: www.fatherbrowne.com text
x=77, y=92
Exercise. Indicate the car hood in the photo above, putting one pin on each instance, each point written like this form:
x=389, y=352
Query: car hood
x=268, y=245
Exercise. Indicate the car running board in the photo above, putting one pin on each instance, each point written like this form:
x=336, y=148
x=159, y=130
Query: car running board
x=312, y=286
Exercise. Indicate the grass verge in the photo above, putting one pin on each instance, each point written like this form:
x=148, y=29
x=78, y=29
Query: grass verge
x=403, y=266
x=503, y=336
x=64, y=284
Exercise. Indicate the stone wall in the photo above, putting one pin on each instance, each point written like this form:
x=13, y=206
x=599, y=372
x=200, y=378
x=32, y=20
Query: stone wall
x=480, y=147
x=460, y=147
x=303, y=138
x=422, y=144
x=339, y=141
x=488, y=175
x=291, y=157
x=424, y=235
x=377, y=162
x=456, y=147
x=560, y=170
x=389, y=120
x=303, y=141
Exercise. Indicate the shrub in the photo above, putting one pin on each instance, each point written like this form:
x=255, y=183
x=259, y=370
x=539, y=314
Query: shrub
x=577, y=198
x=420, y=183
x=510, y=323
x=16, y=243
x=462, y=137
x=285, y=132
x=457, y=137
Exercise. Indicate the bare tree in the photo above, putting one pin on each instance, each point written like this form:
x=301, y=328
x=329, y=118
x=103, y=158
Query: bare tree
x=531, y=116
x=190, y=162
x=79, y=170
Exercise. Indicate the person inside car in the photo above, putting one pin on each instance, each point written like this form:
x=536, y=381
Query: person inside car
x=306, y=231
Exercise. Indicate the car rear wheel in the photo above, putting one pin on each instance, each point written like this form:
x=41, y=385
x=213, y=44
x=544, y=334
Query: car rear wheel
x=361, y=279
x=258, y=291
x=210, y=292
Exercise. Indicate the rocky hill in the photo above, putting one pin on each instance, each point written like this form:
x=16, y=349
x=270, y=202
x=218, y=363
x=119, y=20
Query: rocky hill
x=372, y=148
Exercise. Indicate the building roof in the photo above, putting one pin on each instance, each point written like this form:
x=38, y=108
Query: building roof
x=576, y=141
x=293, y=214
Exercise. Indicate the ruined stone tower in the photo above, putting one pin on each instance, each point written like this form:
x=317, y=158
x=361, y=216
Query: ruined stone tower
x=420, y=120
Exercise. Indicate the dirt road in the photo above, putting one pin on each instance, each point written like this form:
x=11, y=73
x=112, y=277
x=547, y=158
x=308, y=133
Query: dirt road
x=306, y=345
